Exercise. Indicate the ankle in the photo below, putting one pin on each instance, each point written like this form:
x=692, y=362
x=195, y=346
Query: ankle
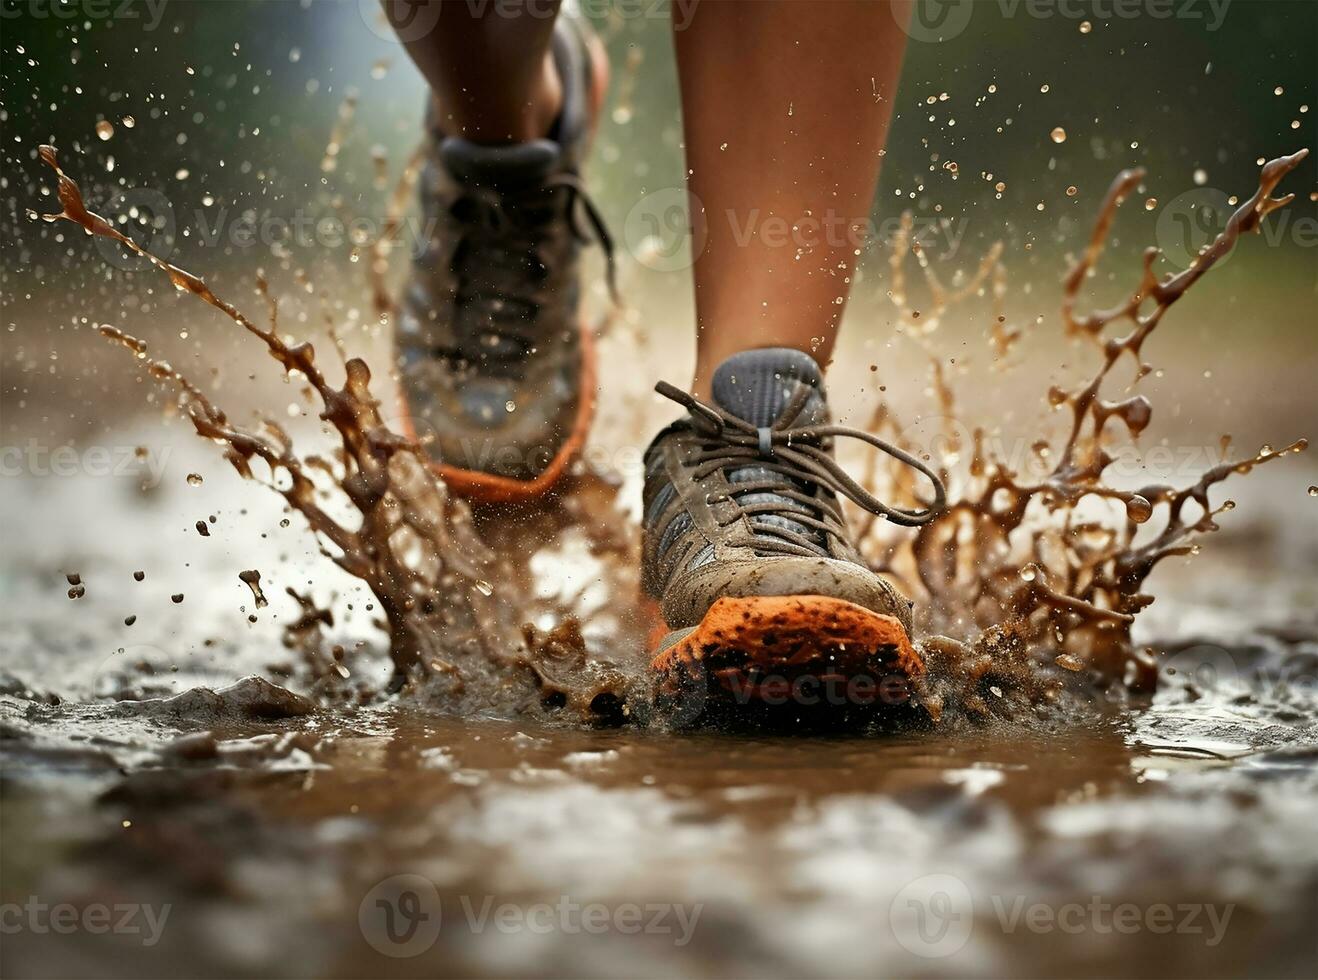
x=495, y=119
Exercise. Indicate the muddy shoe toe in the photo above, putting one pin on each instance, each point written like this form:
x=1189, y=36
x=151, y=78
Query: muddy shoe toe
x=764, y=596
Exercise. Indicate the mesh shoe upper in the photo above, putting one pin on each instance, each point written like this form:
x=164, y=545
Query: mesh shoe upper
x=489, y=338
x=741, y=497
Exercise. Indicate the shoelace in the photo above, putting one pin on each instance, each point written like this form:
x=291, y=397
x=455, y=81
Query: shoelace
x=797, y=453
x=502, y=234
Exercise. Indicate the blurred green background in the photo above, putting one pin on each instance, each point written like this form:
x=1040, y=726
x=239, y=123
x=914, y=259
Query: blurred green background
x=234, y=102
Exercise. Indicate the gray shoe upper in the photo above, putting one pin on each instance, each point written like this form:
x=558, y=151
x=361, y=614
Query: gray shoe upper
x=489, y=338
x=741, y=497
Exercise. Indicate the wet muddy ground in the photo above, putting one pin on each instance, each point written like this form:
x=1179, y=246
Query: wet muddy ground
x=257, y=833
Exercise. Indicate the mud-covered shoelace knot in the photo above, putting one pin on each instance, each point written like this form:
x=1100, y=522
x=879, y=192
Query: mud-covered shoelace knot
x=796, y=452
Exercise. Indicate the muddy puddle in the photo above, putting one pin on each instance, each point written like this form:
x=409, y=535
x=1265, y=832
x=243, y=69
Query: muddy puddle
x=274, y=803
x=270, y=838
x=340, y=725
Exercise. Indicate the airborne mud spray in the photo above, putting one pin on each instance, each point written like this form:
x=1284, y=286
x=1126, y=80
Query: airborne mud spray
x=1026, y=590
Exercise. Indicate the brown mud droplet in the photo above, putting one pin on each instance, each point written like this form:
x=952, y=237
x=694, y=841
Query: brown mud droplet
x=203, y=529
x=252, y=578
x=1138, y=508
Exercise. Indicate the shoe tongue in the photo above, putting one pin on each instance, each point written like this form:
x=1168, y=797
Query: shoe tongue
x=757, y=385
x=510, y=164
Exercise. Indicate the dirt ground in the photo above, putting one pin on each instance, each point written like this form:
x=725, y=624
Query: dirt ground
x=177, y=798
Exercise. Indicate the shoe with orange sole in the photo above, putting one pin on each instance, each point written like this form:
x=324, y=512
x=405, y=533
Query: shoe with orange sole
x=496, y=362
x=764, y=598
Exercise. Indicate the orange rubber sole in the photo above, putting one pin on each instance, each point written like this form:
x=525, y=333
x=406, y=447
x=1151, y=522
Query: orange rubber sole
x=805, y=650
x=490, y=488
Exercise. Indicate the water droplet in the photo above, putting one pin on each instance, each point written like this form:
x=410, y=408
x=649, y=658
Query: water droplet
x=1086, y=27
x=129, y=122
x=105, y=129
x=1150, y=204
x=484, y=587
x=1072, y=191
x=1200, y=177
x=510, y=406
x=1059, y=135
x=194, y=479
x=1030, y=572
x=1278, y=90
x=1138, y=509
x=1313, y=491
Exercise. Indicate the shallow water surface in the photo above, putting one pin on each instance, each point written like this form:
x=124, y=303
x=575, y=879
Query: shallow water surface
x=1170, y=839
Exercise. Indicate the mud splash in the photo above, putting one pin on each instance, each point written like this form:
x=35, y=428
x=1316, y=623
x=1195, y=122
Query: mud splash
x=1027, y=590
x=1050, y=580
